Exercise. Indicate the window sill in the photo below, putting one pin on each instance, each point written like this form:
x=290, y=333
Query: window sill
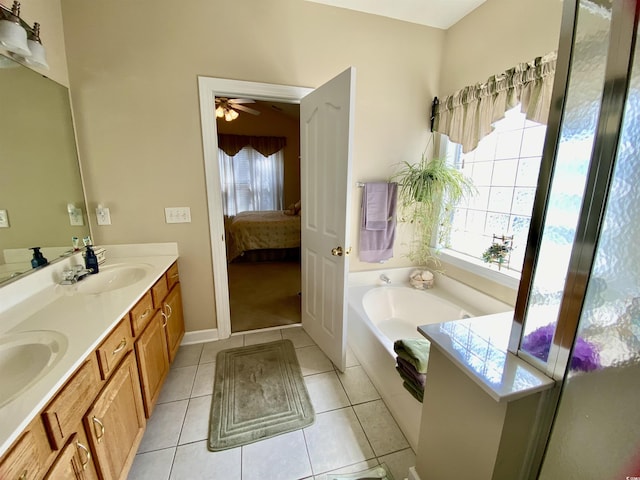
x=505, y=278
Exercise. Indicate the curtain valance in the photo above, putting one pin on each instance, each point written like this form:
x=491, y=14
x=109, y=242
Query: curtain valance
x=467, y=115
x=232, y=144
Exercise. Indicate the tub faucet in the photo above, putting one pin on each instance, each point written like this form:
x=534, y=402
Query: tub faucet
x=385, y=279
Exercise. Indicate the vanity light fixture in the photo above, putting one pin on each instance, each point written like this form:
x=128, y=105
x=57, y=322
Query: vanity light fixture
x=19, y=38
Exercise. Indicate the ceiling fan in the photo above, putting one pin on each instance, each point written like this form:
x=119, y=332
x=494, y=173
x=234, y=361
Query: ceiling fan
x=228, y=108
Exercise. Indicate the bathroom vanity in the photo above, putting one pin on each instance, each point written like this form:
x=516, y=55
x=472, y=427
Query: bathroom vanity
x=99, y=351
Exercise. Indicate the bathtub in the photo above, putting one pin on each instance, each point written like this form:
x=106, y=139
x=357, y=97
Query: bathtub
x=379, y=314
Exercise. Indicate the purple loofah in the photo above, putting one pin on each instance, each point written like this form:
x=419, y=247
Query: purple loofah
x=584, y=358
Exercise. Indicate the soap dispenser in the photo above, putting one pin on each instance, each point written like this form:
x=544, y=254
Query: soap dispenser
x=38, y=259
x=90, y=260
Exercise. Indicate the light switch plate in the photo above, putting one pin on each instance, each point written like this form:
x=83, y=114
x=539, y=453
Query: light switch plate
x=75, y=217
x=103, y=216
x=4, y=219
x=177, y=214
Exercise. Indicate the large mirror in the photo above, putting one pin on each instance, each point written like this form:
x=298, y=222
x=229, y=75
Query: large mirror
x=41, y=197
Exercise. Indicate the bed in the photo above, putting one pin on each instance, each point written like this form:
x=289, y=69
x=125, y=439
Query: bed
x=273, y=229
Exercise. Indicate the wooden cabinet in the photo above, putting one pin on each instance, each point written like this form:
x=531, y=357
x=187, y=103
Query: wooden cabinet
x=75, y=461
x=114, y=348
x=28, y=458
x=153, y=361
x=174, y=319
x=68, y=407
x=115, y=423
x=141, y=313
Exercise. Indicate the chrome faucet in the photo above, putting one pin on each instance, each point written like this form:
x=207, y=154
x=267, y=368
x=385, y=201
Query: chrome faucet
x=385, y=279
x=69, y=277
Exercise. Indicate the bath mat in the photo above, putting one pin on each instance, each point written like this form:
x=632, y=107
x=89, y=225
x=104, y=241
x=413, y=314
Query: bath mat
x=380, y=472
x=258, y=393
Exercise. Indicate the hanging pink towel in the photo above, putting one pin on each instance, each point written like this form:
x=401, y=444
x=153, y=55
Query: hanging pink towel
x=378, y=222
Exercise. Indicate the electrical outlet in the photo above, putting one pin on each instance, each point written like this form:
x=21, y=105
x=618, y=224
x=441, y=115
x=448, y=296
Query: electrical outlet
x=4, y=219
x=75, y=216
x=177, y=214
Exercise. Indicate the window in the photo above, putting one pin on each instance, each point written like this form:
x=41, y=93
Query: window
x=504, y=169
x=250, y=181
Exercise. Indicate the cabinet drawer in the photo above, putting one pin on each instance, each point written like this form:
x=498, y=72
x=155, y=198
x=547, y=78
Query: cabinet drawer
x=114, y=348
x=27, y=459
x=159, y=291
x=141, y=314
x=68, y=407
x=172, y=275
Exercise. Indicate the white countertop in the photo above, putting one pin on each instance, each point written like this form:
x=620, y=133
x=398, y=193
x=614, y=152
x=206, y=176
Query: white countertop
x=38, y=303
x=479, y=347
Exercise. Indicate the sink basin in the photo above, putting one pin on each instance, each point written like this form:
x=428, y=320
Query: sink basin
x=111, y=278
x=25, y=357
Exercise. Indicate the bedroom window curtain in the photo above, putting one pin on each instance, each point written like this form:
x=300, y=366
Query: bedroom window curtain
x=251, y=181
x=468, y=115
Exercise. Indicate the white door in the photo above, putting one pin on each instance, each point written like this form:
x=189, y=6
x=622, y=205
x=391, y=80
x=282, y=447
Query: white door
x=326, y=131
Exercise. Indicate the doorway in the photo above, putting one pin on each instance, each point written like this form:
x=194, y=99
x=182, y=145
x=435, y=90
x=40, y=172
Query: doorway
x=259, y=155
x=210, y=88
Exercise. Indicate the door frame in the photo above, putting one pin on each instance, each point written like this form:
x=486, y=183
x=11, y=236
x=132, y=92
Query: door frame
x=209, y=88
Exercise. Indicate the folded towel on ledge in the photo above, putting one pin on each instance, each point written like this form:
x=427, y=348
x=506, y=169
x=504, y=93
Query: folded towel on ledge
x=415, y=351
x=408, y=369
x=417, y=393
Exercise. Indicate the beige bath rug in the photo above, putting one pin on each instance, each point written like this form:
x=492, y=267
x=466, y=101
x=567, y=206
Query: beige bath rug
x=258, y=393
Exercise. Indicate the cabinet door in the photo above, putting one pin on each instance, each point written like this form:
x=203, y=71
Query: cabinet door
x=174, y=320
x=153, y=361
x=68, y=465
x=28, y=458
x=116, y=422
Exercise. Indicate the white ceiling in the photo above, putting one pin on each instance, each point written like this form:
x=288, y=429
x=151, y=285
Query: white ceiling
x=433, y=13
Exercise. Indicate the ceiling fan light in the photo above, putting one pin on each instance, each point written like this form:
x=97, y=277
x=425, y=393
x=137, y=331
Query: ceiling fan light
x=219, y=112
x=234, y=114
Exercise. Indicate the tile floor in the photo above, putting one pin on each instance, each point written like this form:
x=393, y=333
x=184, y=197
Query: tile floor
x=353, y=430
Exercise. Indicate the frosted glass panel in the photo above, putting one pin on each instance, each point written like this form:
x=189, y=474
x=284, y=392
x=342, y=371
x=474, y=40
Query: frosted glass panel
x=596, y=434
x=586, y=81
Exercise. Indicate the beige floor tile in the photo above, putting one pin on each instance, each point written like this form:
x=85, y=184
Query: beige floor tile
x=262, y=337
x=336, y=440
x=203, y=383
x=187, y=356
x=298, y=336
x=152, y=465
x=357, y=467
x=194, y=462
x=312, y=360
x=196, y=420
x=211, y=349
x=357, y=385
x=279, y=458
x=326, y=392
x=381, y=429
x=399, y=462
x=178, y=384
x=164, y=426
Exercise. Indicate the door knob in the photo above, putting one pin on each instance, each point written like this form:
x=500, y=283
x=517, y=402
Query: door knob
x=338, y=252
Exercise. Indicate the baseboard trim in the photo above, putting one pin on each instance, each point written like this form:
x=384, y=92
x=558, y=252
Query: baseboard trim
x=413, y=475
x=200, y=336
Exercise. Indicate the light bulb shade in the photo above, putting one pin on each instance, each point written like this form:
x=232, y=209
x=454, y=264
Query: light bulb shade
x=38, y=57
x=14, y=38
x=219, y=112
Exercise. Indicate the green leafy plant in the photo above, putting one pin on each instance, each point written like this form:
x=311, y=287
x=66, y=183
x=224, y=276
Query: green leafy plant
x=428, y=192
x=498, y=252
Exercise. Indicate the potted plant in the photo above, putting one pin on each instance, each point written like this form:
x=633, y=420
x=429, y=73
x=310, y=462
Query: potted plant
x=498, y=252
x=428, y=191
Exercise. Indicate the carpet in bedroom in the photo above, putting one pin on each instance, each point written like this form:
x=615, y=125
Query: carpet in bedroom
x=263, y=294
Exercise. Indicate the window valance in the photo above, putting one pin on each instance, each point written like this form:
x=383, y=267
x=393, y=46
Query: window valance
x=467, y=115
x=232, y=144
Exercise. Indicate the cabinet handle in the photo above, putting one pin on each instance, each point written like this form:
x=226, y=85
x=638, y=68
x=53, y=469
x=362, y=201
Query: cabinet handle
x=175, y=275
x=164, y=316
x=144, y=315
x=96, y=421
x=166, y=305
x=24, y=475
x=87, y=455
x=120, y=347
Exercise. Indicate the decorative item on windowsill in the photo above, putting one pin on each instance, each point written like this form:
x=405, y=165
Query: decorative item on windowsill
x=421, y=279
x=499, y=252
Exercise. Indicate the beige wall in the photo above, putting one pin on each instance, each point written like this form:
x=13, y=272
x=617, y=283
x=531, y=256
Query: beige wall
x=272, y=123
x=133, y=68
x=496, y=36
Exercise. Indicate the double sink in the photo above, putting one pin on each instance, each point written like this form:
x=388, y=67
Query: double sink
x=26, y=356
